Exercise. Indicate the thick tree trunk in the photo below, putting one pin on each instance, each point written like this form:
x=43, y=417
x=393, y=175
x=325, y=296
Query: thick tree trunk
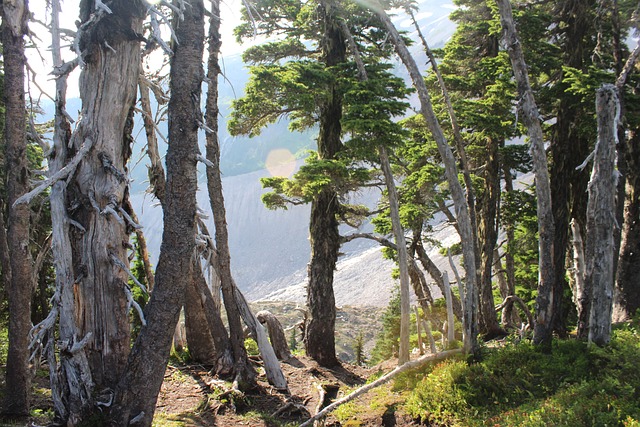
x=18, y=376
x=463, y=218
x=98, y=193
x=138, y=388
x=599, y=248
x=319, y=339
x=545, y=299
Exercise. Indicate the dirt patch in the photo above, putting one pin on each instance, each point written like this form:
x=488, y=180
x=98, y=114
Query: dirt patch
x=191, y=396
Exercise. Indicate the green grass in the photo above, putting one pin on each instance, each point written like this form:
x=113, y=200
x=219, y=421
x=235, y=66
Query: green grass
x=576, y=385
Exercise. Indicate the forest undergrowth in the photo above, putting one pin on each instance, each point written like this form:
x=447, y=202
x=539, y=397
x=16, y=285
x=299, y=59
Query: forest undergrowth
x=512, y=384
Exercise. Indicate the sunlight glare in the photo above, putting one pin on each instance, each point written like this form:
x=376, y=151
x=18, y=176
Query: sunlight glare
x=280, y=162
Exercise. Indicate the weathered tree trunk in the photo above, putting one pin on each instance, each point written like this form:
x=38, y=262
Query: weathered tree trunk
x=599, y=247
x=580, y=294
x=276, y=334
x=470, y=290
x=18, y=377
x=70, y=376
x=98, y=193
x=436, y=275
x=245, y=374
x=510, y=317
x=509, y=262
x=138, y=388
x=319, y=339
x=401, y=245
x=448, y=302
x=544, y=301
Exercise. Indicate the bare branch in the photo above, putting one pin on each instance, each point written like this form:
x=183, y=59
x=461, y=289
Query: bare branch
x=61, y=174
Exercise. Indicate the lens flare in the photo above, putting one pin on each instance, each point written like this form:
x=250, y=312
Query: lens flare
x=280, y=162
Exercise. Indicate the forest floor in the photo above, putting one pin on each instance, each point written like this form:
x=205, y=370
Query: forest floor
x=191, y=396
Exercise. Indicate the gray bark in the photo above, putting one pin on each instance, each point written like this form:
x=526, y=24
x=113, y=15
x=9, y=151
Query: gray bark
x=469, y=291
x=401, y=245
x=531, y=118
x=599, y=247
x=276, y=334
x=447, y=297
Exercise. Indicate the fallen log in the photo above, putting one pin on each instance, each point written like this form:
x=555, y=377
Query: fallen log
x=380, y=381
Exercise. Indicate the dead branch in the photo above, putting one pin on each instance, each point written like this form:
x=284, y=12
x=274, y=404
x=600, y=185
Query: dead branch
x=380, y=381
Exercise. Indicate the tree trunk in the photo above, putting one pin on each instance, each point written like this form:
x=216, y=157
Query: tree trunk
x=447, y=297
x=470, y=290
x=319, y=339
x=401, y=245
x=568, y=148
x=626, y=297
x=544, y=301
x=436, y=275
x=488, y=235
x=599, y=246
x=138, y=388
x=245, y=374
x=199, y=339
x=18, y=376
x=276, y=334
x=580, y=295
x=627, y=291
x=71, y=381
x=99, y=190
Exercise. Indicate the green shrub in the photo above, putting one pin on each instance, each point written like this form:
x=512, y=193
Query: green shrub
x=576, y=385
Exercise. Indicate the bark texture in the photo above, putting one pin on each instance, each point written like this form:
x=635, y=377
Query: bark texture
x=138, y=388
x=599, y=246
x=18, y=376
x=568, y=148
x=324, y=237
x=245, y=374
x=98, y=193
x=199, y=339
x=530, y=116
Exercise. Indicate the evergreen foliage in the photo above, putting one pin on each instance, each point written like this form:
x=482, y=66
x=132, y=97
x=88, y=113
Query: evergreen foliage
x=387, y=343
